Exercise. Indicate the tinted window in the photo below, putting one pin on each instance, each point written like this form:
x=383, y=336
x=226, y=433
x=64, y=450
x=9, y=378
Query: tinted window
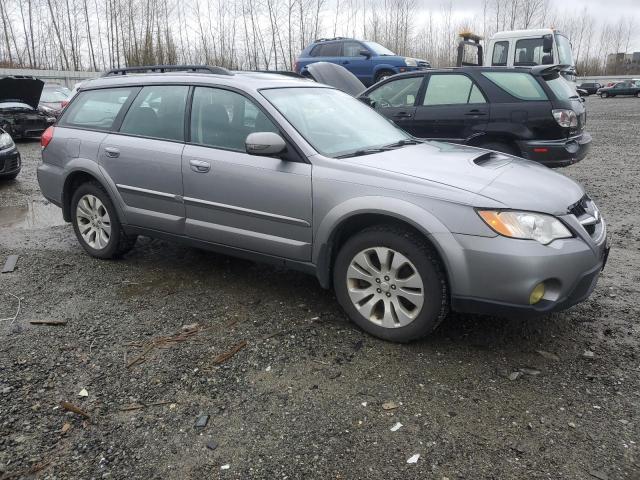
x=520, y=85
x=223, y=119
x=528, y=52
x=452, y=89
x=326, y=50
x=500, y=53
x=351, y=49
x=157, y=111
x=96, y=109
x=397, y=93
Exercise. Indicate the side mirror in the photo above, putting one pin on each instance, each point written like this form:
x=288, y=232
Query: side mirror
x=547, y=60
x=365, y=53
x=264, y=144
x=547, y=43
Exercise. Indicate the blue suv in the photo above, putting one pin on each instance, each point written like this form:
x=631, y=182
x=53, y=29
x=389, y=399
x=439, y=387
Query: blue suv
x=369, y=61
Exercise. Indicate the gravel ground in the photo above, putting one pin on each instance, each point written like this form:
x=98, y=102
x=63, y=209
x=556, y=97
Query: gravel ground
x=309, y=396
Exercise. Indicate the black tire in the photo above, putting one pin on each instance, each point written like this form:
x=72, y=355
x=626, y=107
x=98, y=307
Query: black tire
x=638, y=94
x=500, y=147
x=382, y=74
x=10, y=177
x=119, y=242
x=604, y=95
x=404, y=241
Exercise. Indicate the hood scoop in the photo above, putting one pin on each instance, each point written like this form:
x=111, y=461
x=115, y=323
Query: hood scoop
x=492, y=160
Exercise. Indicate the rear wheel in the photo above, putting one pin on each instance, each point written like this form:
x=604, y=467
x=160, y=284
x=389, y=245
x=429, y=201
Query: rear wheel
x=604, y=95
x=638, y=94
x=391, y=284
x=96, y=223
x=11, y=176
x=500, y=147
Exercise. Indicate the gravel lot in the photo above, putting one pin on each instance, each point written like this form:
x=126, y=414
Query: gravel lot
x=309, y=395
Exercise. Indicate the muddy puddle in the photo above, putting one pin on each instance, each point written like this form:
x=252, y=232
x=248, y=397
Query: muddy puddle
x=35, y=214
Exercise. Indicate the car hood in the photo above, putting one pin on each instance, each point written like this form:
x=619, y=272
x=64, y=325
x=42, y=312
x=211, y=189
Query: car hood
x=26, y=90
x=514, y=182
x=336, y=76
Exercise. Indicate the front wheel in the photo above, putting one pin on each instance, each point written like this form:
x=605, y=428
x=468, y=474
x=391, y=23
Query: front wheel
x=391, y=283
x=96, y=223
x=604, y=95
x=382, y=75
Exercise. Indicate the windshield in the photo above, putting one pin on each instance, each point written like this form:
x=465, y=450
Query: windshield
x=565, y=55
x=50, y=95
x=379, y=49
x=561, y=88
x=334, y=123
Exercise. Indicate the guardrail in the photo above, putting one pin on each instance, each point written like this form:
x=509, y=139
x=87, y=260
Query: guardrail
x=67, y=78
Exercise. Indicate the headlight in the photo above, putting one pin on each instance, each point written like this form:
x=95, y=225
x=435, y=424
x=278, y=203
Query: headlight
x=525, y=225
x=5, y=141
x=411, y=62
x=565, y=118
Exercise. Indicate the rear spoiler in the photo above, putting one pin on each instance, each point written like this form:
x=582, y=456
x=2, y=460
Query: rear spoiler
x=549, y=70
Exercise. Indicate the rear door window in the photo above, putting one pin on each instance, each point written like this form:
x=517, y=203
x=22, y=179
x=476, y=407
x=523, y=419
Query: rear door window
x=528, y=52
x=96, y=109
x=500, y=54
x=452, y=89
x=157, y=112
x=518, y=84
x=326, y=50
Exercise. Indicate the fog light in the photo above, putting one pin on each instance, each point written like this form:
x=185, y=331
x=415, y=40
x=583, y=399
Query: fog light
x=536, y=294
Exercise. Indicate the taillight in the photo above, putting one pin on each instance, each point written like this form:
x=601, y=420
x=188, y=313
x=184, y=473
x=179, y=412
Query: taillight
x=565, y=118
x=46, y=137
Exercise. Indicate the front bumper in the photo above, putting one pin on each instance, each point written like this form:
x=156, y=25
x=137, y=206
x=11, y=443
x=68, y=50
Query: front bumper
x=496, y=275
x=10, y=161
x=557, y=153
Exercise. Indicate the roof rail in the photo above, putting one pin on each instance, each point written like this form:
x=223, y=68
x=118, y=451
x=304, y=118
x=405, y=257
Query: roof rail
x=286, y=73
x=329, y=39
x=168, y=68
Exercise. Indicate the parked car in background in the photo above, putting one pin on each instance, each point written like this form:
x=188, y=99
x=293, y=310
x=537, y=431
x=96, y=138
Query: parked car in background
x=529, y=112
x=53, y=99
x=303, y=175
x=628, y=87
x=19, y=114
x=590, y=87
x=370, y=62
x=10, y=163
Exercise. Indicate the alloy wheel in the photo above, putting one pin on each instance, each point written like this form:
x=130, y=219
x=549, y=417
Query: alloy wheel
x=93, y=222
x=385, y=287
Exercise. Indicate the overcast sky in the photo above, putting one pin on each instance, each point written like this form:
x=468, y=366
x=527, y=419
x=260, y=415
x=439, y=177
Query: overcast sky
x=603, y=10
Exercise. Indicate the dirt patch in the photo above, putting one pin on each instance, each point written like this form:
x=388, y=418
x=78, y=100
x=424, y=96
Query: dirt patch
x=303, y=398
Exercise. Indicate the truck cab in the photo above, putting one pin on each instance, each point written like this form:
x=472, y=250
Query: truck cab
x=543, y=46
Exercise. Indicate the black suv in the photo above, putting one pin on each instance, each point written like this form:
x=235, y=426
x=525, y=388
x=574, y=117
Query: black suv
x=529, y=112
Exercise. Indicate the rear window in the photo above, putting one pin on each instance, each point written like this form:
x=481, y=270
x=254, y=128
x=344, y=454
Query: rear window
x=326, y=50
x=96, y=109
x=520, y=85
x=500, y=53
x=561, y=89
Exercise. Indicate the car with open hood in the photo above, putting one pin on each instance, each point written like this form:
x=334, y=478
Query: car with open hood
x=287, y=171
x=19, y=114
x=53, y=99
x=619, y=89
x=530, y=112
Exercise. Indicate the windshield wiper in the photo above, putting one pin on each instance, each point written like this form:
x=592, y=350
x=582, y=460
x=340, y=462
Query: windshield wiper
x=402, y=143
x=364, y=151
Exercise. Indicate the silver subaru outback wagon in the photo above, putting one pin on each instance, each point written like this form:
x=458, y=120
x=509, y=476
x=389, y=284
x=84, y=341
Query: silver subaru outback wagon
x=272, y=168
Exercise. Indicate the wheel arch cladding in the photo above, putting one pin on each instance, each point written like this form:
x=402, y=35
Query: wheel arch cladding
x=77, y=177
x=344, y=220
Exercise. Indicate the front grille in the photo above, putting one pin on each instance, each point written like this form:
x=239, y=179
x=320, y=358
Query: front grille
x=587, y=214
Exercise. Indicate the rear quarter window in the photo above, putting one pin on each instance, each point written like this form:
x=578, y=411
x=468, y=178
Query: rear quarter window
x=561, y=88
x=96, y=109
x=523, y=86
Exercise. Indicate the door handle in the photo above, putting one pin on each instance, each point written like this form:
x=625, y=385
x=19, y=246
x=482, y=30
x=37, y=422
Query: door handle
x=112, y=152
x=200, y=166
x=475, y=113
x=403, y=115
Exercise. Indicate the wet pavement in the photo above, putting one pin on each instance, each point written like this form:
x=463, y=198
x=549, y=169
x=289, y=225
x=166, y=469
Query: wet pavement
x=308, y=395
